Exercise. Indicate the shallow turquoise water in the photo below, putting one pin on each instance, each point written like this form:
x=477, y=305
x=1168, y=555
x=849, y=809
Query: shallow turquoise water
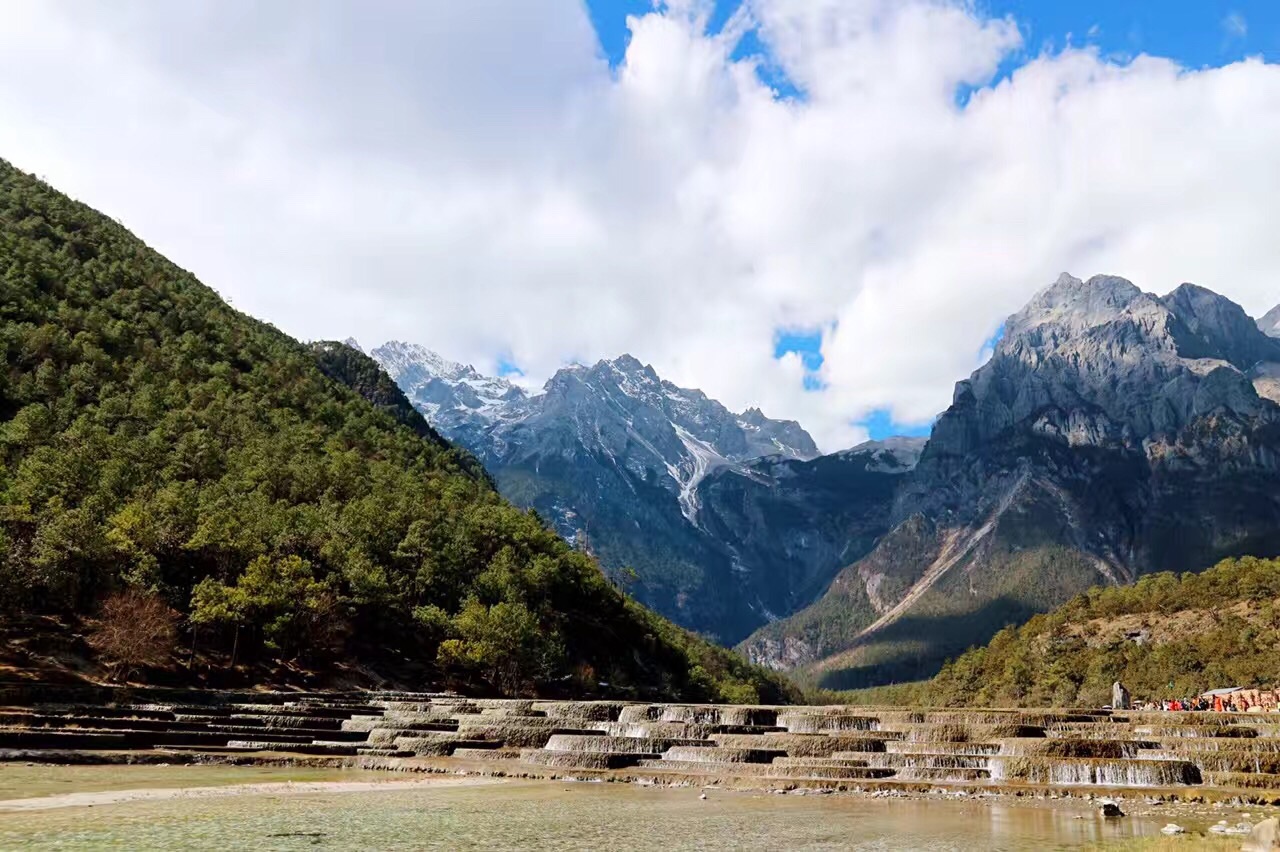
x=558, y=816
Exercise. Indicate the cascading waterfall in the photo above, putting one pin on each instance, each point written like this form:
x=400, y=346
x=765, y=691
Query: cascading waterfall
x=904, y=747
x=819, y=723
x=1109, y=773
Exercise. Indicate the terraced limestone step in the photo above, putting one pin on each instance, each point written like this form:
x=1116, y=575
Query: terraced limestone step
x=669, y=730
x=309, y=712
x=904, y=747
x=19, y=739
x=701, y=714
x=1243, y=780
x=619, y=745
x=765, y=770
x=440, y=745
x=705, y=754
x=126, y=712
x=104, y=723
x=580, y=711
x=514, y=733
x=337, y=749
x=930, y=732
x=466, y=753
x=826, y=723
x=271, y=720
x=807, y=745
x=1188, y=745
x=930, y=761
x=1223, y=731
x=851, y=762
x=363, y=724
x=1108, y=773
x=1078, y=747
x=381, y=751
x=948, y=776
x=583, y=759
x=1262, y=763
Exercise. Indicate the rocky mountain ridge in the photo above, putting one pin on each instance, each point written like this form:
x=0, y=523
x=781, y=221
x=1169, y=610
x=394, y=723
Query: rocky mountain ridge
x=1112, y=433
x=727, y=520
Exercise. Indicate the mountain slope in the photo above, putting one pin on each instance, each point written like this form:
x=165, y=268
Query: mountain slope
x=284, y=499
x=787, y=524
x=725, y=521
x=1270, y=323
x=1112, y=433
x=1168, y=636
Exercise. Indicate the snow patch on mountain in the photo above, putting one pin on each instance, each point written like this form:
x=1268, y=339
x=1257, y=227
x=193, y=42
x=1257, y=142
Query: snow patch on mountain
x=704, y=459
x=1270, y=323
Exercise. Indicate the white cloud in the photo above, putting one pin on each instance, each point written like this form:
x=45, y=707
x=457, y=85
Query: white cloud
x=1235, y=25
x=472, y=176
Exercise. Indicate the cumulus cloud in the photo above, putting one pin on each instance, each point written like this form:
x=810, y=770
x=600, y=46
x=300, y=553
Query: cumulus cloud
x=475, y=177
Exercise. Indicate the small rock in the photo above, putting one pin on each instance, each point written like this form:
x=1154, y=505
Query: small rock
x=703, y=796
x=1110, y=810
x=1173, y=828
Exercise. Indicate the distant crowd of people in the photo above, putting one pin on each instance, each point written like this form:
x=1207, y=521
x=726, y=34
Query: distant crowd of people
x=1222, y=701
x=1177, y=704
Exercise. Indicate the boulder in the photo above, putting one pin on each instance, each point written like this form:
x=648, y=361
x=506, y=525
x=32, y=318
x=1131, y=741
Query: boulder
x=1263, y=837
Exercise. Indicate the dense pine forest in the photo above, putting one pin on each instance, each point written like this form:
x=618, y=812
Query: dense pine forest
x=170, y=464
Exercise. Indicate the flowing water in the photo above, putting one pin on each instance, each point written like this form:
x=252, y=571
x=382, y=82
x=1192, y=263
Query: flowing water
x=517, y=815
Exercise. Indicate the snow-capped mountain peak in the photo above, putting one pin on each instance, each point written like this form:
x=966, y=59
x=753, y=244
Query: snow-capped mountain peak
x=451, y=395
x=618, y=412
x=1270, y=323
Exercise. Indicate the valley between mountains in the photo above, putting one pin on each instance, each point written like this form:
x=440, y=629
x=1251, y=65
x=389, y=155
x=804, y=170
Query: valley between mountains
x=1112, y=434
x=271, y=504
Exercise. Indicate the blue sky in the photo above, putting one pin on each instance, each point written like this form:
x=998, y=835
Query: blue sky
x=1196, y=33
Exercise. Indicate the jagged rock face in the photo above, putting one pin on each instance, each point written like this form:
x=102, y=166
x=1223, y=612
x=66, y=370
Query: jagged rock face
x=787, y=524
x=713, y=510
x=1104, y=364
x=1111, y=434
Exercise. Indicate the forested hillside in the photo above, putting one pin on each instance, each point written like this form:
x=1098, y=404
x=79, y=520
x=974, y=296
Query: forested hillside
x=159, y=448
x=1167, y=636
